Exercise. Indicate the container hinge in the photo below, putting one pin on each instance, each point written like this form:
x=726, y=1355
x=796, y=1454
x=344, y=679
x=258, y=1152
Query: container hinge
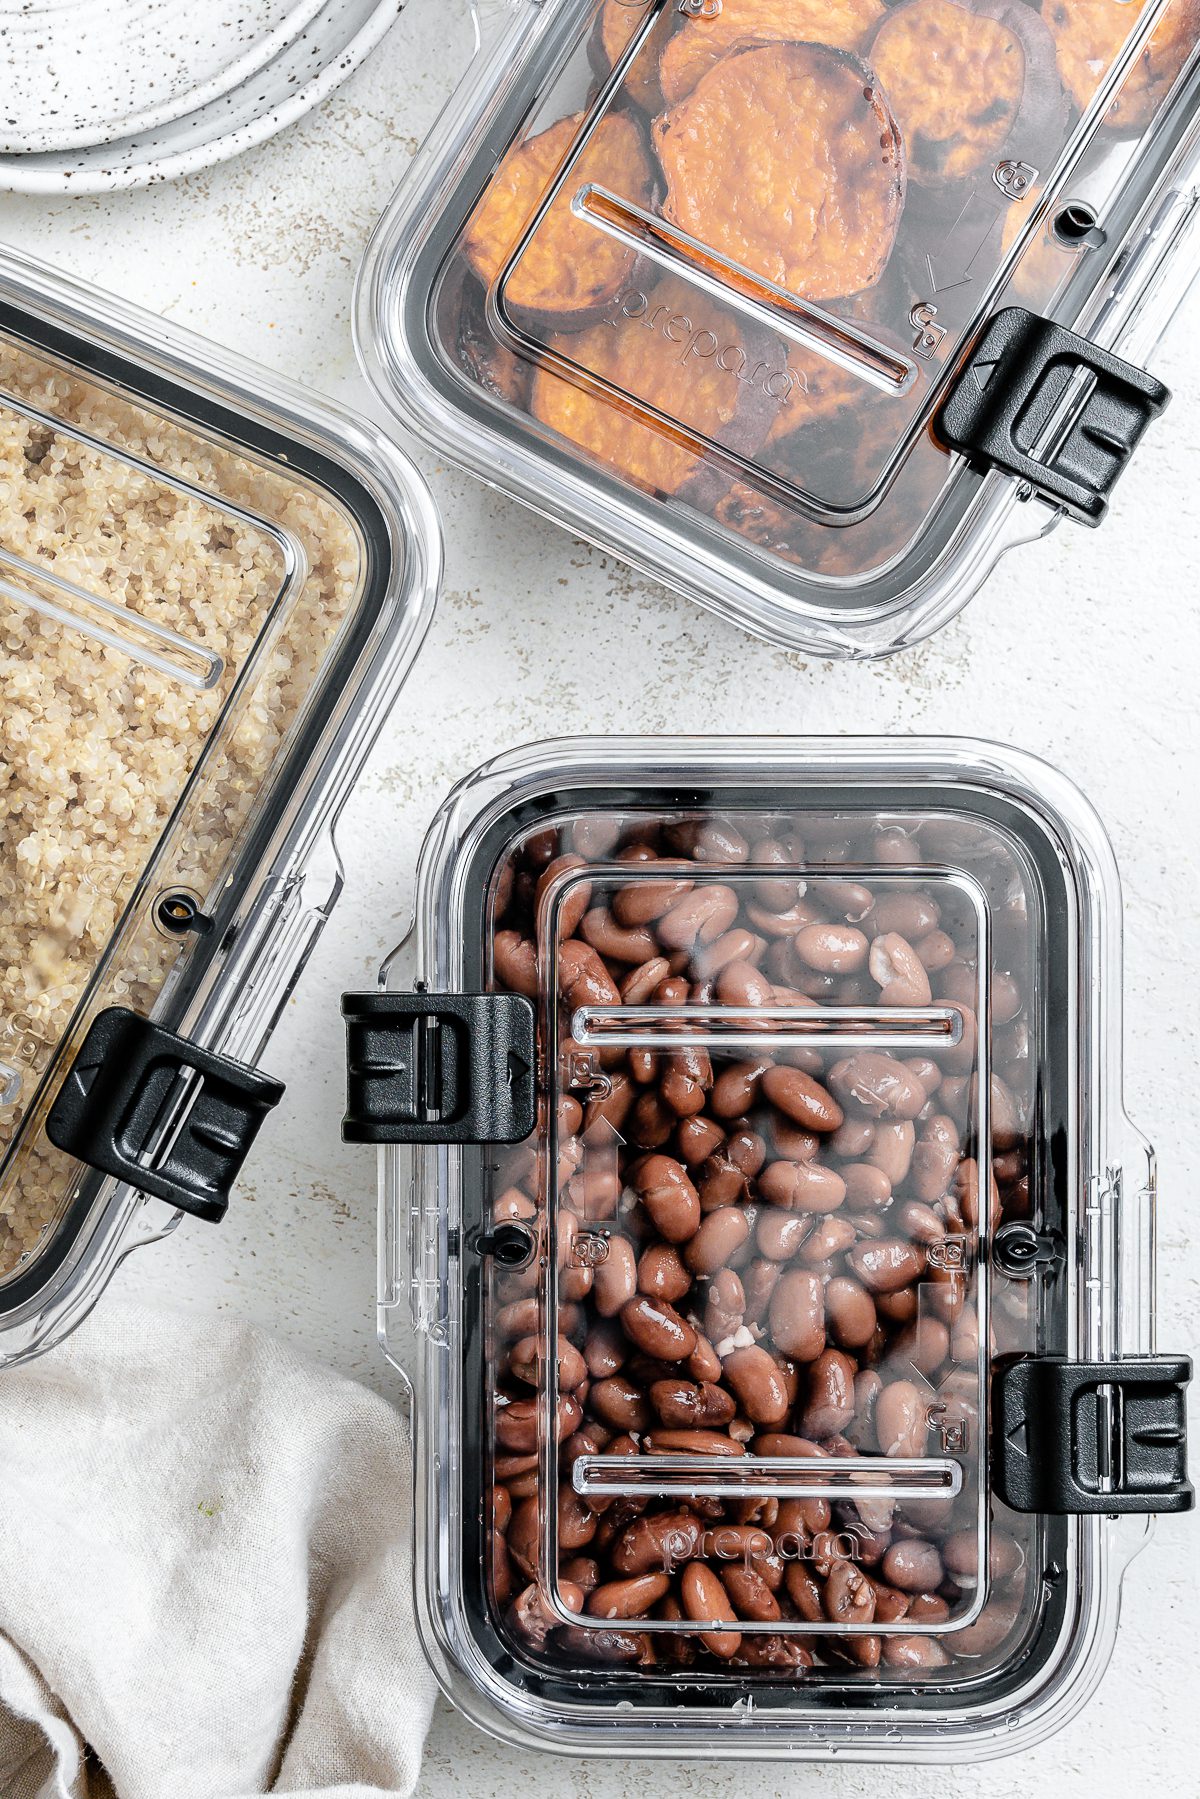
x=440, y=1068
x=156, y=1112
x=1091, y=1437
x=1048, y=407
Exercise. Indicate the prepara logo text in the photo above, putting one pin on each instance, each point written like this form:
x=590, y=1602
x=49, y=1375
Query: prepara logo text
x=701, y=345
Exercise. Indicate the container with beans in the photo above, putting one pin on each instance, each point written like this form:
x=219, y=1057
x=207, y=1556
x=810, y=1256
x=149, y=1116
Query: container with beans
x=762, y=1234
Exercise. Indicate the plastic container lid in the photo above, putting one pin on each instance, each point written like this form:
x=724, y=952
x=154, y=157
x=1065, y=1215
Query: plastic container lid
x=780, y=1386
x=698, y=277
x=206, y=584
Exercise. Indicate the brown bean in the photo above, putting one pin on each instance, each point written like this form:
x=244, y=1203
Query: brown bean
x=802, y=1186
x=898, y=972
x=628, y=1598
x=802, y=1099
x=737, y=946
x=849, y=1596
x=752, y=1597
x=887, y=1266
x=661, y=1274
x=726, y=1304
x=515, y=960
x=850, y=1311
x=704, y=1364
x=576, y=895
x=705, y=1600
x=829, y=1237
x=830, y=1404
x=525, y=1359
x=915, y=1654
x=698, y=917
x=735, y=1089
x=669, y=1197
x=686, y=1079
x=831, y=948
x=583, y=980
x=755, y=1378
x=935, y=1158
x=657, y=1328
x=620, y=1403
x=867, y=1187
x=936, y=951
x=698, y=1138
x=686, y=1405
x=691, y=1442
x=741, y=984
x=901, y=1422
x=878, y=1086
x=617, y=943
x=778, y=1234
x=576, y=1520
x=914, y=1566
x=847, y=899
x=616, y=1277
x=720, y=1236
x=661, y=1542
x=911, y=914
x=641, y=981
x=891, y=1149
x=853, y=1138
x=607, y=1648
x=797, y=1315
x=644, y=901
x=606, y=1348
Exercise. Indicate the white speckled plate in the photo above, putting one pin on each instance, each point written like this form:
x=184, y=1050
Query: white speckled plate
x=83, y=72
x=303, y=70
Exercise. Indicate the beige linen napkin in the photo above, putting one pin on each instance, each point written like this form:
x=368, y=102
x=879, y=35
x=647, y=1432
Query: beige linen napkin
x=205, y=1586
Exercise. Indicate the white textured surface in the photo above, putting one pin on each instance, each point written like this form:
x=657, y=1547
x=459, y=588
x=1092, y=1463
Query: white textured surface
x=1084, y=649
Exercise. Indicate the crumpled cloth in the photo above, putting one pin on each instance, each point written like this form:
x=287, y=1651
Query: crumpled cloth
x=205, y=1571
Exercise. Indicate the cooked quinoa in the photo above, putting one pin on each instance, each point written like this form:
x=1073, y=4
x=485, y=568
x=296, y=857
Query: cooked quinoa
x=95, y=748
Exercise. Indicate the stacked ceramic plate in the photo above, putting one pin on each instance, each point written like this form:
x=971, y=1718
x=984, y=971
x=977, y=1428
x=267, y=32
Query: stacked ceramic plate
x=102, y=94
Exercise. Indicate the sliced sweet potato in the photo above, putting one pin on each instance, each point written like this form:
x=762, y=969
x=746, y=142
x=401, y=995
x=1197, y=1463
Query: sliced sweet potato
x=702, y=41
x=1089, y=36
x=786, y=161
x=616, y=25
x=967, y=80
x=570, y=271
x=489, y=364
x=697, y=363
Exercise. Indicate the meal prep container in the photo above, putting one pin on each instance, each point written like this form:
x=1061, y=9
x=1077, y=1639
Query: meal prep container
x=751, y=1418
x=211, y=587
x=809, y=310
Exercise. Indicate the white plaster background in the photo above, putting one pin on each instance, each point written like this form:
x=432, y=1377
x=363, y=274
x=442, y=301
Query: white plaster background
x=1085, y=649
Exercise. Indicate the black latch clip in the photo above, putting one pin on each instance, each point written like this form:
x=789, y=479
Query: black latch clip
x=440, y=1068
x=1004, y=411
x=1091, y=1437
x=155, y=1111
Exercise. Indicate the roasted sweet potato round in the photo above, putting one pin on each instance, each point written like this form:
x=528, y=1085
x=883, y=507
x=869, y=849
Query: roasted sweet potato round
x=699, y=364
x=489, y=364
x=616, y=25
x=786, y=161
x=1089, y=34
x=700, y=42
x=963, y=77
x=570, y=270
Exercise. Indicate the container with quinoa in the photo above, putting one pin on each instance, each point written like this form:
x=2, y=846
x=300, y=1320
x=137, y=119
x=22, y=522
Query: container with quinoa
x=721, y=284
x=779, y=1293
x=211, y=586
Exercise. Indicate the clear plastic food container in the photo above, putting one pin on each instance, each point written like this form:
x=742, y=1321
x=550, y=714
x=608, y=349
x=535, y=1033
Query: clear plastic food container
x=211, y=587
x=779, y=1256
x=808, y=309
